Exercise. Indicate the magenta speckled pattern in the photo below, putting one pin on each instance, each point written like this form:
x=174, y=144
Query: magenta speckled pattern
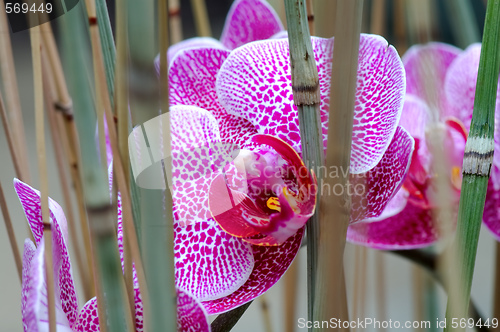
x=191, y=316
x=270, y=264
x=382, y=182
x=412, y=228
x=30, y=201
x=426, y=67
x=491, y=215
x=192, y=77
x=28, y=287
x=255, y=83
x=248, y=21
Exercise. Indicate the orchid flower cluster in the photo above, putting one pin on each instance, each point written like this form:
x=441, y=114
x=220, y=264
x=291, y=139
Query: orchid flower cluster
x=238, y=225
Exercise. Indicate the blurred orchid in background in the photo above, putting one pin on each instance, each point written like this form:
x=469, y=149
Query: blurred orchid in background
x=441, y=85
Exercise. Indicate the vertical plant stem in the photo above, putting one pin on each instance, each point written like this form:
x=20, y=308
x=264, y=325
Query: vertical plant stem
x=464, y=24
x=107, y=45
x=380, y=289
x=10, y=140
x=226, y=321
x=174, y=14
x=335, y=210
x=10, y=233
x=266, y=315
x=102, y=214
x=36, y=46
x=305, y=86
x=156, y=205
x=290, y=299
x=121, y=106
x=377, y=20
x=326, y=11
x=64, y=105
x=310, y=16
x=48, y=91
x=12, y=100
x=201, y=19
x=477, y=164
x=400, y=27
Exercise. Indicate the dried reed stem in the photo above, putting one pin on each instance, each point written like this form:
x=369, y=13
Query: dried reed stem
x=10, y=140
x=266, y=315
x=12, y=100
x=324, y=18
x=10, y=233
x=400, y=27
x=66, y=126
x=48, y=90
x=335, y=210
x=42, y=166
x=104, y=103
x=310, y=17
x=201, y=19
x=175, y=19
x=378, y=20
x=290, y=282
x=380, y=290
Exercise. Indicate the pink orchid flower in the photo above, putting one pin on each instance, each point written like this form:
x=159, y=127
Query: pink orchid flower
x=192, y=316
x=441, y=85
x=247, y=21
x=248, y=93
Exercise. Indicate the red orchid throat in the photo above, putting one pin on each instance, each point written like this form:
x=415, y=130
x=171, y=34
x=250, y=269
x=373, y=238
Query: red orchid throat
x=277, y=197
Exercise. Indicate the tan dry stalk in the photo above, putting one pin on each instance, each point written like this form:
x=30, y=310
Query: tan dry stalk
x=12, y=100
x=201, y=19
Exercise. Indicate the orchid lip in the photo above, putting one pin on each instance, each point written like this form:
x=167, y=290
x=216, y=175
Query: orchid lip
x=269, y=216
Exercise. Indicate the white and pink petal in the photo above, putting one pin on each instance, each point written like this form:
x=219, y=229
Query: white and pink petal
x=248, y=21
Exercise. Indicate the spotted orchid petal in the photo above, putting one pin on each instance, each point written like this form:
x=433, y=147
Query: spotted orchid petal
x=195, y=42
x=255, y=83
x=65, y=289
x=412, y=228
x=271, y=262
x=34, y=300
x=426, y=67
x=382, y=182
x=192, y=82
x=272, y=210
x=191, y=315
x=248, y=21
x=393, y=207
x=491, y=215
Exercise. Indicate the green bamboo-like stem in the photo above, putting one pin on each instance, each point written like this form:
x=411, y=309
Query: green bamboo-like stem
x=477, y=164
x=305, y=86
x=12, y=101
x=464, y=24
x=107, y=44
x=335, y=210
x=101, y=213
x=156, y=205
x=226, y=321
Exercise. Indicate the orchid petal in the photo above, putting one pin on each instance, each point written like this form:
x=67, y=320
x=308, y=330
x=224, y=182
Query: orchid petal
x=192, y=82
x=35, y=308
x=88, y=319
x=382, y=182
x=426, y=68
x=65, y=289
x=396, y=205
x=248, y=21
x=255, y=83
x=196, y=42
x=210, y=263
x=271, y=262
x=241, y=216
x=491, y=216
x=191, y=315
x=410, y=229
x=415, y=117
